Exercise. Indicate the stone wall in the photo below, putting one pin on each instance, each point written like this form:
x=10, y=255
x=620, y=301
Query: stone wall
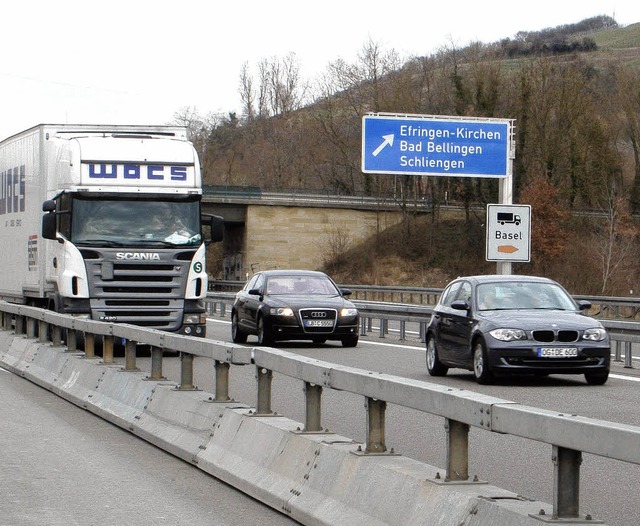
x=290, y=237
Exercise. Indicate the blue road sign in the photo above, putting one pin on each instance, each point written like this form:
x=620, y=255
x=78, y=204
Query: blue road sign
x=429, y=145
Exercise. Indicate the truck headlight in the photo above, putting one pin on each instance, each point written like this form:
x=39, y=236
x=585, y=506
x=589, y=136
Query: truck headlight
x=195, y=318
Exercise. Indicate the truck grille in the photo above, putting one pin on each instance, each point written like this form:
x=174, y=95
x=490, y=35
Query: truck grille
x=145, y=293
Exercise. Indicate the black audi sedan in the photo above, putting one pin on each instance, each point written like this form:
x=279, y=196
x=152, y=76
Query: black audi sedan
x=504, y=324
x=294, y=305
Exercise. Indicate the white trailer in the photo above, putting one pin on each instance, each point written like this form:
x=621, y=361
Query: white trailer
x=121, y=238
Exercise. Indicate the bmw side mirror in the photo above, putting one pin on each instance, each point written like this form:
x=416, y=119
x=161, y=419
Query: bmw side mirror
x=460, y=305
x=584, y=305
x=255, y=292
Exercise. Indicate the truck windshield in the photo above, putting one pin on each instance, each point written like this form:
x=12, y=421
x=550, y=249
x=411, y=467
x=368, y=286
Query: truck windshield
x=135, y=222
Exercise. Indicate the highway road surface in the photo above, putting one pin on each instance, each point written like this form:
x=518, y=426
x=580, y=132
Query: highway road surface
x=101, y=474
x=61, y=465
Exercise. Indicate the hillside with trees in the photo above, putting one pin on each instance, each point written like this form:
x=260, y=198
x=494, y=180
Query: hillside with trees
x=574, y=93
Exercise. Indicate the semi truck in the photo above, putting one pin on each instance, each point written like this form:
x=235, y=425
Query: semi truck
x=104, y=222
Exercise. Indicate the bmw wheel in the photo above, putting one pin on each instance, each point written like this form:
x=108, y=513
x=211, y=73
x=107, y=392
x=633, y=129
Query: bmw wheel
x=481, y=368
x=264, y=337
x=596, y=378
x=236, y=334
x=434, y=365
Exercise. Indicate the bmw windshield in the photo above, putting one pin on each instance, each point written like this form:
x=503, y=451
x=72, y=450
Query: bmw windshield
x=126, y=222
x=514, y=295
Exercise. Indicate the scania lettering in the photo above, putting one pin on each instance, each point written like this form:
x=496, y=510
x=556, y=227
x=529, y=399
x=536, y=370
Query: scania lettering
x=122, y=237
x=134, y=255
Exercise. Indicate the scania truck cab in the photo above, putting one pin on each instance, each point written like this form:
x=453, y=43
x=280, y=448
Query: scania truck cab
x=122, y=237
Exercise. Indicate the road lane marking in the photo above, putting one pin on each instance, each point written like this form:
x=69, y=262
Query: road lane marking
x=423, y=349
x=624, y=377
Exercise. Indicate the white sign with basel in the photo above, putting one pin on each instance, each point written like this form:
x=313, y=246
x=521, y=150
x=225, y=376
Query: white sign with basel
x=509, y=233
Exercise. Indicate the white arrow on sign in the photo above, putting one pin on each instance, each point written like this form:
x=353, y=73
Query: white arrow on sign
x=388, y=140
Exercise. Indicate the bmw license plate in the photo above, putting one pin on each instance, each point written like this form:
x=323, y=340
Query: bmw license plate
x=557, y=352
x=318, y=323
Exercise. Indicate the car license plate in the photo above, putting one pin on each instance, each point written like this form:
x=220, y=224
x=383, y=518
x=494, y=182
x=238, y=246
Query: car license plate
x=318, y=323
x=557, y=352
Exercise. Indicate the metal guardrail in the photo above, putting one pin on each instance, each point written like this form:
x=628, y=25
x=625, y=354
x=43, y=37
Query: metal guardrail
x=614, y=307
x=257, y=195
x=569, y=435
x=623, y=333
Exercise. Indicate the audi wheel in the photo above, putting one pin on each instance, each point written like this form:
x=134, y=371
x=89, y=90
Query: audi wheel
x=264, y=336
x=236, y=334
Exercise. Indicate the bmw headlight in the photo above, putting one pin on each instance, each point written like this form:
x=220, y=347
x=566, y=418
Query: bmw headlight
x=597, y=334
x=508, y=335
x=348, y=313
x=281, y=311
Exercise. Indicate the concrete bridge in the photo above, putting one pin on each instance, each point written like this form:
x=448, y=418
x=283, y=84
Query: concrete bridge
x=286, y=230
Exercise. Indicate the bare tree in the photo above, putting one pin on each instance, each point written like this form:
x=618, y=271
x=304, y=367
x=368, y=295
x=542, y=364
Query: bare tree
x=247, y=93
x=616, y=239
x=279, y=89
x=337, y=242
x=627, y=101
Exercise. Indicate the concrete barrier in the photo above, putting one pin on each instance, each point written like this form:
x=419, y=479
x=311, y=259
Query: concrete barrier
x=315, y=478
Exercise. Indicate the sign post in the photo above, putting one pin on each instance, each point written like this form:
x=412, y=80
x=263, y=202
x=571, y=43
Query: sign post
x=441, y=146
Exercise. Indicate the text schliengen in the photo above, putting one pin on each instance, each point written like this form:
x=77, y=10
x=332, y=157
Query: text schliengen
x=424, y=162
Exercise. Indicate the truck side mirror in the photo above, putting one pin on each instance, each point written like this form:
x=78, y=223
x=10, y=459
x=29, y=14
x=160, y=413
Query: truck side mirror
x=49, y=226
x=216, y=224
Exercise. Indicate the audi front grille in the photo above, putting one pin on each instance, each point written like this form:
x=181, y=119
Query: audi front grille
x=318, y=321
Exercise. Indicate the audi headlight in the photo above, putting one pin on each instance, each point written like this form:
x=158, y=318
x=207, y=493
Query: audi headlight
x=348, y=313
x=596, y=334
x=281, y=311
x=508, y=335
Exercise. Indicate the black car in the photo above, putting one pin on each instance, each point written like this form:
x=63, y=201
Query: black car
x=497, y=325
x=294, y=305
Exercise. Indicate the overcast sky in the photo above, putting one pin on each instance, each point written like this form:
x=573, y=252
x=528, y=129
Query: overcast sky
x=141, y=61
